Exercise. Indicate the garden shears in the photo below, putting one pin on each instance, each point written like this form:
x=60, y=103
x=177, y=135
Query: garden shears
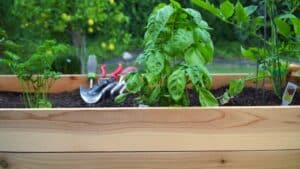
x=104, y=84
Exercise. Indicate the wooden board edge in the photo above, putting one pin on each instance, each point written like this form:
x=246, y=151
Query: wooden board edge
x=152, y=160
x=67, y=83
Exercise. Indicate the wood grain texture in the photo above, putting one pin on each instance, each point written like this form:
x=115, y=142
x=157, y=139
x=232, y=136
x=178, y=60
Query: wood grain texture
x=66, y=83
x=10, y=83
x=155, y=160
x=150, y=129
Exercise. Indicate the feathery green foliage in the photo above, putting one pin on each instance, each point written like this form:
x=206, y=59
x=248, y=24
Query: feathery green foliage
x=34, y=72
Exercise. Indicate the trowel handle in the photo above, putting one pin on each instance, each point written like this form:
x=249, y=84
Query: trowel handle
x=115, y=73
x=103, y=70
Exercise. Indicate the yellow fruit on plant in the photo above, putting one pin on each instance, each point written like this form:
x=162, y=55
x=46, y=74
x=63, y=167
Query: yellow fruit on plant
x=111, y=46
x=66, y=17
x=112, y=2
x=90, y=22
x=90, y=30
x=103, y=45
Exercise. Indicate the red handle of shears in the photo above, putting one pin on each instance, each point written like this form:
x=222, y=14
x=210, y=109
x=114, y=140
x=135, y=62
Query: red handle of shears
x=115, y=73
x=103, y=71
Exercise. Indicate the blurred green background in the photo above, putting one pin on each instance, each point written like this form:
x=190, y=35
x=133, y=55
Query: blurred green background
x=107, y=28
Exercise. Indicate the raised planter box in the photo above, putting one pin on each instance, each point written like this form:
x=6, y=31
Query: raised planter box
x=148, y=138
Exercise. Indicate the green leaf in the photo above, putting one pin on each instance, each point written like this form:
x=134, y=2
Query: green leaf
x=207, y=98
x=197, y=18
x=193, y=56
x=282, y=27
x=253, y=53
x=134, y=82
x=140, y=59
x=175, y=4
x=155, y=63
x=240, y=13
x=6, y=62
x=227, y=9
x=199, y=76
x=43, y=103
x=12, y=56
x=151, y=78
x=176, y=84
x=120, y=98
x=194, y=75
x=236, y=87
x=180, y=41
x=157, y=22
x=287, y=16
x=258, y=22
x=296, y=24
x=250, y=9
x=208, y=6
x=206, y=50
x=201, y=35
x=154, y=96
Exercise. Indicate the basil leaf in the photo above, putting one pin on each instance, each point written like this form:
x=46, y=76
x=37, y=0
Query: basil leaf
x=197, y=18
x=155, y=63
x=206, y=98
x=154, y=95
x=202, y=35
x=199, y=76
x=207, y=51
x=193, y=56
x=134, y=82
x=156, y=23
x=180, y=41
x=176, y=84
x=152, y=79
x=236, y=87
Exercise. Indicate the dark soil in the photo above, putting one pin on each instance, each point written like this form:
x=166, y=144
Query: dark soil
x=249, y=97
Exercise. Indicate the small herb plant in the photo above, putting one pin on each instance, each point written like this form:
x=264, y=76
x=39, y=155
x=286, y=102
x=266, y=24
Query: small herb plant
x=281, y=43
x=35, y=72
x=177, y=48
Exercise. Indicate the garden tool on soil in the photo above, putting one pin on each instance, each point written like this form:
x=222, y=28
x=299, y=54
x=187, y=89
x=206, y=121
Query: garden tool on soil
x=104, y=84
x=92, y=69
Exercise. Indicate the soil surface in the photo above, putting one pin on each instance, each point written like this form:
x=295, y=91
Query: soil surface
x=249, y=97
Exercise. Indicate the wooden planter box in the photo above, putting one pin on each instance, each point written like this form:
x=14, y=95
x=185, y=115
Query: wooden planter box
x=148, y=138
